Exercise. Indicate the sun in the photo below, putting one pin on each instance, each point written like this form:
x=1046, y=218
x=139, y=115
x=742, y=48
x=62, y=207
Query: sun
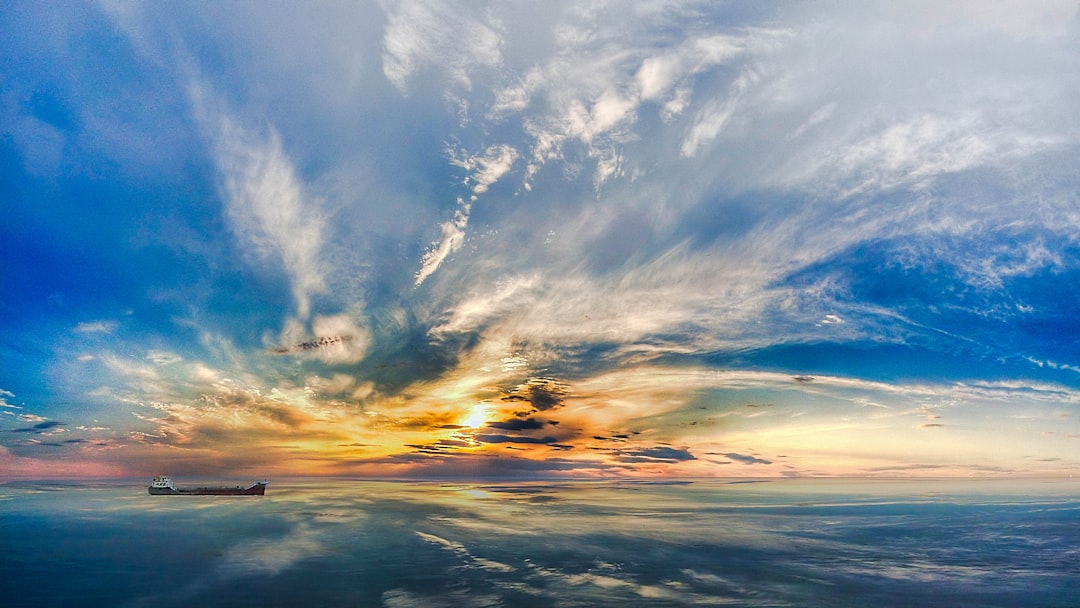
x=477, y=417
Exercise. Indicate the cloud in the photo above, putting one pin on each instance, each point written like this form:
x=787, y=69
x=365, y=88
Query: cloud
x=542, y=394
x=477, y=309
x=925, y=146
x=486, y=169
x=592, y=91
x=451, y=239
x=655, y=454
x=747, y=459
x=445, y=36
x=496, y=438
x=440, y=35
x=266, y=203
x=517, y=424
x=338, y=339
x=645, y=304
x=96, y=327
x=41, y=427
x=160, y=357
x=630, y=210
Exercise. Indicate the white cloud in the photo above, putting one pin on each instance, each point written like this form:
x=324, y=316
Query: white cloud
x=353, y=341
x=144, y=380
x=337, y=339
x=161, y=357
x=479, y=308
x=656, y=75
x=659, y=74
x=268, y=210
x=266, y=203
x=487, y=168
x=96, y=327
x=437, y=34
x=592, y=90
x=819, y=116
x=1054, y=364
x=725, y=295
x=707, y=127
x=912, y=151
x=453, y=235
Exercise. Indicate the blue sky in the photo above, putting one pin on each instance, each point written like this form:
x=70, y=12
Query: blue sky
x=596, y=239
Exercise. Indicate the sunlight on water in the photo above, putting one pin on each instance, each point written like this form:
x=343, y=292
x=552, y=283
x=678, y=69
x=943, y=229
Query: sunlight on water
x=362, y=543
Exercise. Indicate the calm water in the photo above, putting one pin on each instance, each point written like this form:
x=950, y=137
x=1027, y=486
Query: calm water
x=360, y=543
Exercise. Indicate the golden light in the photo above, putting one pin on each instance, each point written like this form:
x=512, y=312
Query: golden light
x=477, y=417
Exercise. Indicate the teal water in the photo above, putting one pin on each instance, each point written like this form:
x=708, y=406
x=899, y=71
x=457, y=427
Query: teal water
x=430, y=544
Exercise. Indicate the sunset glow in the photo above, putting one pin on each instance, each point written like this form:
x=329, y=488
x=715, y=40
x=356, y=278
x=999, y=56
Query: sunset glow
x=477, y=418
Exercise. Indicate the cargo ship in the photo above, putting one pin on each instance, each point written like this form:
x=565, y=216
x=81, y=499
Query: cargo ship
x=163, y=486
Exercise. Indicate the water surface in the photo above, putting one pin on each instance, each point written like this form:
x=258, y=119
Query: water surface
x=703, y=543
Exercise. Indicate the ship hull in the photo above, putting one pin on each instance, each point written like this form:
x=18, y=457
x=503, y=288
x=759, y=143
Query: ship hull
x=258, y=489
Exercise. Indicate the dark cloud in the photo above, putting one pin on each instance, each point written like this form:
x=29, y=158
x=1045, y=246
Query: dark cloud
x=518, y=424
x=40, y=427
x=656, y=454
x=72, y=442
x=616, y=437
x=442, y=446
x=743, y=458
x=428, y=448
x=542, y=393
x=493, y=438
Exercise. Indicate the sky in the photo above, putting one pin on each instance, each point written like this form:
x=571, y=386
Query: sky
x=540, y=239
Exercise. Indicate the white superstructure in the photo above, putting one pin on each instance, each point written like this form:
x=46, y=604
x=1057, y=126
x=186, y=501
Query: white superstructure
x=163, y=482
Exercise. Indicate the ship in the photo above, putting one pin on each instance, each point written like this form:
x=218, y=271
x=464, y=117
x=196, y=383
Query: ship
x=163, y=486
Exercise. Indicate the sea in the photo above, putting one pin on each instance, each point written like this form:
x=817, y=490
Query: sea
x=341, y=542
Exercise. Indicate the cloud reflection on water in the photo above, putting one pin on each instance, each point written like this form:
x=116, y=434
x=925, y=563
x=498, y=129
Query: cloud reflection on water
x=334, y=542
